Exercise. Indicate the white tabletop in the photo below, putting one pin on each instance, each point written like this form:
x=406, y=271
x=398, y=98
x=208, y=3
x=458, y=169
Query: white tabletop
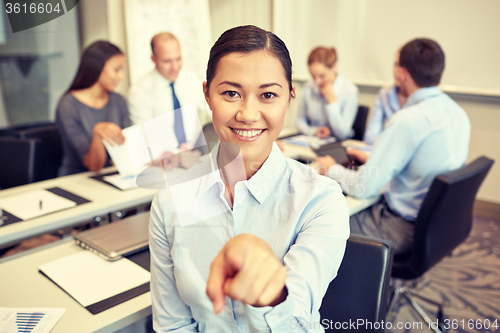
x=104, y=199
x=23, y=286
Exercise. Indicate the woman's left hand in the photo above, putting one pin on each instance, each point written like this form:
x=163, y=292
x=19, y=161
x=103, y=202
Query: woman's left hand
x=246, y=269
x=328, y=93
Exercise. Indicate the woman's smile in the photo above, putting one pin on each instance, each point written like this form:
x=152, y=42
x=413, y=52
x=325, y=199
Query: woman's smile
x=248, y=135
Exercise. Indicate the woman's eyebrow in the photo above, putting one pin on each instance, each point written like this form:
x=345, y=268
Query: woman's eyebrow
x=234, y=84
x=267, y=85
x=237, y=85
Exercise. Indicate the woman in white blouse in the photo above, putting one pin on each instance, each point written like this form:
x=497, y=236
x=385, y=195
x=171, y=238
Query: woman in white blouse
x=329, y=102
x=247, y=240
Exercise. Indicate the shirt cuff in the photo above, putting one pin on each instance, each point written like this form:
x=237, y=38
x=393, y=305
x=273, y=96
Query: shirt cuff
x=268, y=318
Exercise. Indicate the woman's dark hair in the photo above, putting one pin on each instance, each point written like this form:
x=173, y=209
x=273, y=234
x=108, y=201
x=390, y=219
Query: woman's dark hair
x=424, y=60
x=246, y=39
x=93, y=59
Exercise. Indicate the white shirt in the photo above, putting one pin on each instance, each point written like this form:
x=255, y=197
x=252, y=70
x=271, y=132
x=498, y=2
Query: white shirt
x=303, y=216
x=151, y=97
x=339, y=116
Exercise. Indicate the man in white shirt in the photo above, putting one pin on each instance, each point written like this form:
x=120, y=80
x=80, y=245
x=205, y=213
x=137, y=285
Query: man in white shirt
x=166, y=89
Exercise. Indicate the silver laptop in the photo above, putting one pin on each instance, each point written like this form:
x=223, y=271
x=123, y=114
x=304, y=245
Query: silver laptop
x=114, y=240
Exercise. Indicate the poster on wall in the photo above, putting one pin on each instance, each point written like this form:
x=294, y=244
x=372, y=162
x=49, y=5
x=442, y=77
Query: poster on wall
x=188, y=20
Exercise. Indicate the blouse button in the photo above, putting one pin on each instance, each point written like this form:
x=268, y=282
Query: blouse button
x=239, y=203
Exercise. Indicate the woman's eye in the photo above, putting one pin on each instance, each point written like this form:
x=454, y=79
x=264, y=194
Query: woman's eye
x=268, y=95
x=231, y=94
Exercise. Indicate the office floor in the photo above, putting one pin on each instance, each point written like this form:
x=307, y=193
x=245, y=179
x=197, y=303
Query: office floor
x=468, y=283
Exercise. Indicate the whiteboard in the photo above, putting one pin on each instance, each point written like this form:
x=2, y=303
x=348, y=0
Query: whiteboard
x=188, y=20
x=366, y=34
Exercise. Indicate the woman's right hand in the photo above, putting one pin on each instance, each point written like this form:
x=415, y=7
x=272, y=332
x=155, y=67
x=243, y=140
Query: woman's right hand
x=358, y=155
x=323, y=132
x=110, y=132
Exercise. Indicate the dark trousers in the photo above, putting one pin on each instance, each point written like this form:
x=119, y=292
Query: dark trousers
x=379, y=221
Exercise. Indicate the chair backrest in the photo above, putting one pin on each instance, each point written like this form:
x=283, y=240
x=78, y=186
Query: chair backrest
x=360, y=290
x=17, y=161
x=50, y=150
x=359, y=124
x=445, y=218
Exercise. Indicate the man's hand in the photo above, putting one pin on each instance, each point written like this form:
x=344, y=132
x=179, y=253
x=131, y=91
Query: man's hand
x=328, y=93
x=110, y=132
x=358, y=155
x=246, y=270
x=324, y=163
x=323, y=132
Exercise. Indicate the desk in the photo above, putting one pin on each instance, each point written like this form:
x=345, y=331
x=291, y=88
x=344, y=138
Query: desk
x=35, y=290
x=104, y=199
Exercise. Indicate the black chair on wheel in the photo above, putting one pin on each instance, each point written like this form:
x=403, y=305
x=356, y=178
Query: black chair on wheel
x=359, y=125
x=50, y=150
x=443, y=222
x=18, y=161
x=360, y=290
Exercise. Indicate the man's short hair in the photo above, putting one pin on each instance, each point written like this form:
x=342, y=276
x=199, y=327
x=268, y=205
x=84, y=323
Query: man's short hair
x=424, y=60
x=162, y=36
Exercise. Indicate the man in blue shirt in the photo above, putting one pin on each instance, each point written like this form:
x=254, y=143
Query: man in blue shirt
x=389, y=101
x=428, y=137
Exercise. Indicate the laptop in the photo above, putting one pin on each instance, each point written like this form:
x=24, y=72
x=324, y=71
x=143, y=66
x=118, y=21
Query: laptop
x=339, y=153
x=114, y=240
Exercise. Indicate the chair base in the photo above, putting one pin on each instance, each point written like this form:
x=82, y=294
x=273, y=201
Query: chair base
x=406, y=293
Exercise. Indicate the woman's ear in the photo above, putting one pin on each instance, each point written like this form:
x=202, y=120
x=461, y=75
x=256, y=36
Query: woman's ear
x=205, y=92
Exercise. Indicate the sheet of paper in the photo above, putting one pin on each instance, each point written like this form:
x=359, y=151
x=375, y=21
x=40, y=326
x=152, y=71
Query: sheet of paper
x=147, y=142
x=35, y=203
x=151, y=176
x=31, y=320
x=306, y=141
x=90, y=279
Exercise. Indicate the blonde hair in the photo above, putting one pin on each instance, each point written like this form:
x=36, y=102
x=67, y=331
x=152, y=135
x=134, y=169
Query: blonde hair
x=324, y=55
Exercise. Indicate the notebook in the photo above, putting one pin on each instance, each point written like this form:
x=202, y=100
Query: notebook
x=114, y=240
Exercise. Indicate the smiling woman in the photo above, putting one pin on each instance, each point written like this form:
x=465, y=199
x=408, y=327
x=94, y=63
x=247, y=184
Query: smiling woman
x=270, y=234
x=91, y=112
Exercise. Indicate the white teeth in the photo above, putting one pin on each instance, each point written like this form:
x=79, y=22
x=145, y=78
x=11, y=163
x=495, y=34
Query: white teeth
x=247, y=133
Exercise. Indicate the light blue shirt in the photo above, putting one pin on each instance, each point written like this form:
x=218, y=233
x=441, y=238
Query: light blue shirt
x=386, y=105
x=339, y=116
x=430, y=136
x=304, y=217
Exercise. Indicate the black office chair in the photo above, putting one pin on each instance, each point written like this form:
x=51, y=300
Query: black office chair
x=50, y=150
x=360, y=290
x=17, y=165
x=359, y=124
x=443, y=222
